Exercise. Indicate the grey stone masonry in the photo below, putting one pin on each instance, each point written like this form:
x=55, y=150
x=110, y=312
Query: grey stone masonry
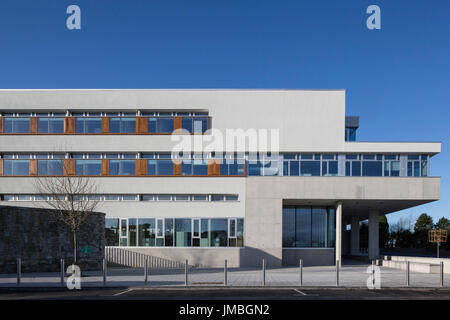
x=40, y=240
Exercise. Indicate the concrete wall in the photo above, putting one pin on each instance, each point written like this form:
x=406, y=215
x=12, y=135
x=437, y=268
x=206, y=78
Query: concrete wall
x=203, y=257
x=310, y=257
x=40, y=240
x=296, y=113
x=136, y=185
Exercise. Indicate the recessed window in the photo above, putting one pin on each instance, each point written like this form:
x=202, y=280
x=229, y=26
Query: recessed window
x=50, y=125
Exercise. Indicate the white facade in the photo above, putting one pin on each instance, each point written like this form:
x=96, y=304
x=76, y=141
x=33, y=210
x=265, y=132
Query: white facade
x=309, y=122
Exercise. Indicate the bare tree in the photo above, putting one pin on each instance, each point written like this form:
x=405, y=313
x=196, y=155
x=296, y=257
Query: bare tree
x=72, y=198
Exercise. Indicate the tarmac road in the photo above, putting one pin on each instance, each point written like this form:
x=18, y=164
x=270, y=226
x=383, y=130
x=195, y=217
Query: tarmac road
x=198, y=293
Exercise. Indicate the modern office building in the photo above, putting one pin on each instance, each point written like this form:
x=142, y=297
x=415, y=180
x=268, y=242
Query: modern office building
x=294, y=200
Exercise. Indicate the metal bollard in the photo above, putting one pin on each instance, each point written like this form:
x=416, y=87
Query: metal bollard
x=301, y=272
x=62, y=272
x=264, y=272
x=373, y=273
x=225, y=275
x=442, y=273
x=407, y=273
x=337, y=273
x=186, y=273
x=146, y=271
x=104, y=272
x=19, y=271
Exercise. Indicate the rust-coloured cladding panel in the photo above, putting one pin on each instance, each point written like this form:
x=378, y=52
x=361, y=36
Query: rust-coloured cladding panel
x=213, y=168
x=33, y=167
x=141, y=125
x=1, y=167
x=33, y=125
x=105, y=125
x=105, y=167
x=69, y=125
x=177, y=169
x=176, y=123
x=69, y=167
x=141, y=167
x=1, y=124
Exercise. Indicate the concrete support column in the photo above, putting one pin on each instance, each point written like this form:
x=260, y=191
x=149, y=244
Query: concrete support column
x=374, y=250
x=339, y=232
x=354, y=236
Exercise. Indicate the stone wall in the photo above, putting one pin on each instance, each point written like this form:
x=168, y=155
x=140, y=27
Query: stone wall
x=40, y=240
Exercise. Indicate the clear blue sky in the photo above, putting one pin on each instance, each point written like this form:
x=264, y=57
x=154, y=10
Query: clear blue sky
x=397, y=78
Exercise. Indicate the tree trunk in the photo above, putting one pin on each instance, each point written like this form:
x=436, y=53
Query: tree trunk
x=75, y=246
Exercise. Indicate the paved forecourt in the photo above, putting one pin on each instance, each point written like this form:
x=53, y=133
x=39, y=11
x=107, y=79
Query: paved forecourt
x=349, y=276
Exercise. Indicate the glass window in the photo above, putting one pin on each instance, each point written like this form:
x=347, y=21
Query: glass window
x=164, y=197
x=132, y=232
x=50, y=125
x=122, y=167
x=205, y=239
x=111, y=197
x=219, y=230
x=240, y=233
x=294, y=168
x=88, y=167
x=303, y=227
x=168, y=232
x=160, y=125
x=146, y=232
x=122, y=125
x=372, y=168
x=196, y=232
x=181, y=197
x=16, y=125
x=160, y=167
x=288, y=227
x=186, y=168
x=331, y=228
x=129, y=197
x=199, y=197
x=217, y=197
x=123, y=233
x=231, y=197
x=16, y=167
x=255, y=169
x=50, y=167
x=88, y=125
x=112, y=232
x=318, y=227
x=310, y=168
x=186, y=123
x=147, y=197
x=183, y=232
x=200, y=167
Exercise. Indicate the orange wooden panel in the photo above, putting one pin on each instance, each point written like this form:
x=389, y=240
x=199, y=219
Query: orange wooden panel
x=69, y=125
x=141, y=167
x=33, y=167
x=177, y=169
x=69, y=167
x=33, y=125
x=105, y=167
x=141, y=124
x=105, y=125
x=1, y=124
x=176, y=123
x=213, y=168
x=1, y=167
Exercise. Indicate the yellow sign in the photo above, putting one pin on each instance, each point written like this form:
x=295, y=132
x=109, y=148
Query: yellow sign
x=437, y=236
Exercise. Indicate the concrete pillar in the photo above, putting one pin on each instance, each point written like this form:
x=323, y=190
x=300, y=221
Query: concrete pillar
x=339, y=232
x=374, y=250
x=354, y=236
